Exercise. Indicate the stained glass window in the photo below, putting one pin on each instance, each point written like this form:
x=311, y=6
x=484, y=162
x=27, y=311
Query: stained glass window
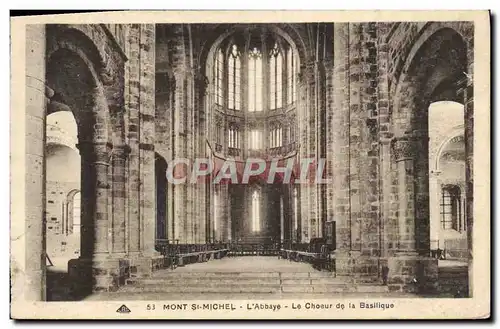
x=275, y=78
x=255, y=81
x=234, y=83
x=255, y=139
x=291, y=75
x=219, y=78
x=234, y=137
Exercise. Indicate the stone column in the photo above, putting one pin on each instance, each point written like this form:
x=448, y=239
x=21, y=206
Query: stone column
x=134, y=178
x=30, y=267
x=95, y=187
x=147, y=137
x=409, y=271
x=403, y=150
x=340, y=137
x=120, y=155
x=386, y=183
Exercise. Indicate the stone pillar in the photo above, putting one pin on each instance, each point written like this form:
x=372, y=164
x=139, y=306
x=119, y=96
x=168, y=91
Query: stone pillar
x=134, y=179
x=147, y=137
x=409, y=271
x=28, y=272
x=95, y=186
x=403, y=150
x=96, y=270
x=340, y=140
x=469, y=170
x=119, y=160
x=356, y=125
x=385, y=204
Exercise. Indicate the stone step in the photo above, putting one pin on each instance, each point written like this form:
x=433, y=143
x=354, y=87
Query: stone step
x=254, y=288
x=206, y=281
x=232, y=280
x=282, y=275
x=369, y=288
x=201, y=288
x=202, y=275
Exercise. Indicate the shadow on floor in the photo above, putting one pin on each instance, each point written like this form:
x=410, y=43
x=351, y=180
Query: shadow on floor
x=60, y=287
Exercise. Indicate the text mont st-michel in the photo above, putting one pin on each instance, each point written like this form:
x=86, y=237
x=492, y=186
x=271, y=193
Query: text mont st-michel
x=273, y=306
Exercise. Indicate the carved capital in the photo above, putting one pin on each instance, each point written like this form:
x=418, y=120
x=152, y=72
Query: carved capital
x=403, y=148
x=97, y=153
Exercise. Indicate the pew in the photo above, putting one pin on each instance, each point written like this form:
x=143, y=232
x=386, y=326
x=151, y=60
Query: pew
x=176, y=254
x=317, y=253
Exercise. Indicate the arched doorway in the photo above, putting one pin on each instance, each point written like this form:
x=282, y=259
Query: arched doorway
x=77, y=90
x=63, y=166
x=436, y=70
x=447, y=180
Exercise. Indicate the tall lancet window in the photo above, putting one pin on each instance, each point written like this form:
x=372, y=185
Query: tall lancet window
x=234, y=137
x=275, y=78
x=291, y=76
x=219, y=77
x=255, y=81
x=234, y=67
x=256, y=211
x=255, y=140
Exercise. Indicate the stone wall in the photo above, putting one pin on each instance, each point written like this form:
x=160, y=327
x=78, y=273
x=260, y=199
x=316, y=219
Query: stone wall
x=363, y=95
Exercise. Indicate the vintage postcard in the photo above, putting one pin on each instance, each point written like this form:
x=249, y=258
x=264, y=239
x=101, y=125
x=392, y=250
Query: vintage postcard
x=251, y=165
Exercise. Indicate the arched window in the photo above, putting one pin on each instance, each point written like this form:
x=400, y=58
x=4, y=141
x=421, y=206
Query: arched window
x=276, y=137
x=291, y=73
x=256, y=211
x=451, y=214
x=219, y=78
x=234, y=67
x=255, y=139
x=255, y=81
x=234, y=137
x=76, y=212
x=275, y=78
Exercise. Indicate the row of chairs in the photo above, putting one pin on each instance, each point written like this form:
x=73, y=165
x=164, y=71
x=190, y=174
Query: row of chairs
x=317, y=252
x=254, y=249
x=176, y=254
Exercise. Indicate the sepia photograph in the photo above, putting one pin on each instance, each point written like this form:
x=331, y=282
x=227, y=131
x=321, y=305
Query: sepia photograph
x=300, y=165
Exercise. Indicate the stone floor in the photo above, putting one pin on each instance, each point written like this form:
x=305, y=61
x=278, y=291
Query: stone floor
x=247, y=264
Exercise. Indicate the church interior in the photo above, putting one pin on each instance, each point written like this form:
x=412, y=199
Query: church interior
x=110, y=107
